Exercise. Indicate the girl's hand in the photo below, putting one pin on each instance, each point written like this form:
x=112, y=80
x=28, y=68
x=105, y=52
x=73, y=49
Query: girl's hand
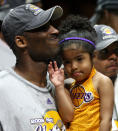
x=56, y=75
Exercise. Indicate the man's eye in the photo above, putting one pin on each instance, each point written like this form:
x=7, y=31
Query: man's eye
x=116, y=51
x=45, y=28
x=104, y=51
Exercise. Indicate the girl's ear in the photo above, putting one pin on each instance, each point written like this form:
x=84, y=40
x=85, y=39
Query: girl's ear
x=20, y=41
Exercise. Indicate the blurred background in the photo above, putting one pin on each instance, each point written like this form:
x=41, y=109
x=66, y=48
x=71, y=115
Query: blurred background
x=82, y=7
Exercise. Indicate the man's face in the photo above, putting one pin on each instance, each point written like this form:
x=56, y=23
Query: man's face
x=106, y=60
x=42, y=43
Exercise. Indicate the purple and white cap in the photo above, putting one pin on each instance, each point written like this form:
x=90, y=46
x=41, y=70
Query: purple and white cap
x=105, y=36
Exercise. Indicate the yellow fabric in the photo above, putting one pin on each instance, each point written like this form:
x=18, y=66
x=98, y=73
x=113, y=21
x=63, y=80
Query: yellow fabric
x=87, y=110
x=116, y=122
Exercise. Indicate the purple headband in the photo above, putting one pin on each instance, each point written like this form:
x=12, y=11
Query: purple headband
x=77, y=38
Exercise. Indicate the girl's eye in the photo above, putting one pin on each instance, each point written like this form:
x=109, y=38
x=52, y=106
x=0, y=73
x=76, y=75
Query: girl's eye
x=79, y=59
x=66, y=62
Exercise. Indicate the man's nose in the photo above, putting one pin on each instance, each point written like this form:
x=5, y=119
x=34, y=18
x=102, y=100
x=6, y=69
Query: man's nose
x=54, y=30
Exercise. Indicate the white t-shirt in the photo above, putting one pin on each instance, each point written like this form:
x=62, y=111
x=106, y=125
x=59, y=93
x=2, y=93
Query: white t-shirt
x=115, y=113
x=25, y=106
x=7, y=58
x=116, y=94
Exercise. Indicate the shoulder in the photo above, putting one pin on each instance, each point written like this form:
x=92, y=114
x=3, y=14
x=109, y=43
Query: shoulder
x=3, y=75
x=101, y=81
x=7, y=79
x=101, y=78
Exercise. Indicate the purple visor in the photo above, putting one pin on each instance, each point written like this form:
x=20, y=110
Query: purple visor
x=77, y=38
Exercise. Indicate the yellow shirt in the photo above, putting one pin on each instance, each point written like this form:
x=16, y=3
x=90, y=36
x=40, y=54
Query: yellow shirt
x=87, y=106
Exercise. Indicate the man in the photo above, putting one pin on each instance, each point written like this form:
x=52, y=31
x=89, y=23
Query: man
x=106, y=12
x=25, y=95
x=106, y=56
x=7, y=58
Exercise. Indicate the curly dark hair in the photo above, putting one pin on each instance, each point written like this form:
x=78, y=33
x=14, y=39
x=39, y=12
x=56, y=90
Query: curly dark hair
x=77, y=26
x=74, y=22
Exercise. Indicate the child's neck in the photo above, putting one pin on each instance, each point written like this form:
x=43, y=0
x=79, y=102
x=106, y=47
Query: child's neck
x=81, y=82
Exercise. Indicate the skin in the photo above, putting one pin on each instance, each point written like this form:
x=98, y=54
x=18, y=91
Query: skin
x=39, y=4
x=78, y=65
x=104, y=87
x=63, y=99
x=108, y=66
x=31, y=48
x=0, y=35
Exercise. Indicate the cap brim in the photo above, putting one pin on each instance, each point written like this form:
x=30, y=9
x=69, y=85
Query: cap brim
x=44, y=17
x=105, y=43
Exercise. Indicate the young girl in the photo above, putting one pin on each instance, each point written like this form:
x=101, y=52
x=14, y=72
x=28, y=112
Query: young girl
x=91, y=92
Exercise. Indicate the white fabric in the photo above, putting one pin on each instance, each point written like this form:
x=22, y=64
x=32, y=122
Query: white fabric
x=116, y=95
x=114, y=127
x=115, y=112
x=7, y=58
x=25, y=106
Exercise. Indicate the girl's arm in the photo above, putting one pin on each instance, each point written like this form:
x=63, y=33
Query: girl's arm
x=63, y=99
x=106, y=92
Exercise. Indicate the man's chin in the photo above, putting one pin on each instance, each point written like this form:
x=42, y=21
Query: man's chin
x=45, y=60
x=112, y=75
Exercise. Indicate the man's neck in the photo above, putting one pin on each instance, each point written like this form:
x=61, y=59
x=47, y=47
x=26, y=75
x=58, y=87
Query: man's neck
x=113, y=79
x=33, y=72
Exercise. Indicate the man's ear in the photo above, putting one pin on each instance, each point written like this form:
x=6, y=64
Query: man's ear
x=20, y=41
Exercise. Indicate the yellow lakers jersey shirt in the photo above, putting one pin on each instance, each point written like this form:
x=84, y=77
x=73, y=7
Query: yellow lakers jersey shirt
x=87, y=106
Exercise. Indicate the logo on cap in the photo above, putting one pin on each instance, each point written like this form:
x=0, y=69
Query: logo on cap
x=34, y=9
x=107, y=31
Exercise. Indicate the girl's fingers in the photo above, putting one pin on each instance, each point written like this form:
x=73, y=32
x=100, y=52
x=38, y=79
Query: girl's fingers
x=62, y=71
x=50, y=68
x=55, y=66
